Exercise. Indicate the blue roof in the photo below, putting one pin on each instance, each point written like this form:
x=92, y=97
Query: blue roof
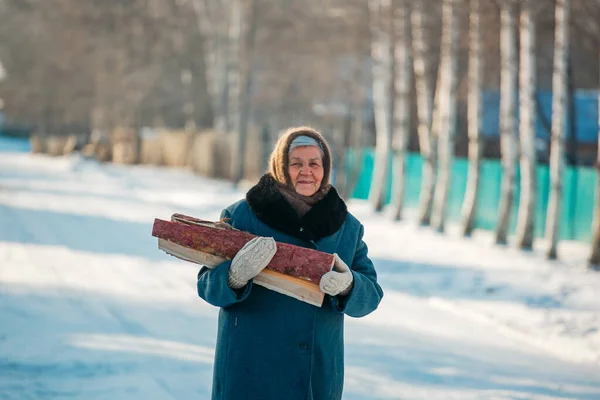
x=586, y=114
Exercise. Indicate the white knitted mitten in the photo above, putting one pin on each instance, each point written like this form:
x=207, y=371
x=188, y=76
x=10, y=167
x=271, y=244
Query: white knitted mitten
x=250, y=261
x=337, y=282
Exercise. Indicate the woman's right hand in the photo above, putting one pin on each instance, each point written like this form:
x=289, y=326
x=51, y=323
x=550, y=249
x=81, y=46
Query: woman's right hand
x=251, y=260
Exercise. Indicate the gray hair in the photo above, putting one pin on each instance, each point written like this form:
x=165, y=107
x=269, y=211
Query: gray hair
x=301, y=141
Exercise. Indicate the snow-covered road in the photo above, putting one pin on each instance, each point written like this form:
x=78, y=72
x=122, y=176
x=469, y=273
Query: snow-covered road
x=90, y=309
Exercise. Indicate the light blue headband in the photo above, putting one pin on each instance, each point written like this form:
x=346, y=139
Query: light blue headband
x=300, y=141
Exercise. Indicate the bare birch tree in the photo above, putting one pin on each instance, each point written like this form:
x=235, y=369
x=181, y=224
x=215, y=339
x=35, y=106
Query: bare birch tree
x=508, y=125
x=469, y=207
x=381, y=19
x=559, y=113
x=527, y=84
x=403, y=79
x=340, y=136
x=427, y=143
x=246, y=66
x=232, y=87
x=444, y=124
x=220, y=23
x=359, y=104
x=207, y=14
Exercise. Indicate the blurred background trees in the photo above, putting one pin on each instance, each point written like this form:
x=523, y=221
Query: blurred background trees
x=85, y=65
x=81, y=65
x=221, y=78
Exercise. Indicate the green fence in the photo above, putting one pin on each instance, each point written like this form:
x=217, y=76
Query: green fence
x=577, y=206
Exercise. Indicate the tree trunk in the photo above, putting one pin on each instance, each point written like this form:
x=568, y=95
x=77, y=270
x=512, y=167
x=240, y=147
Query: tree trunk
x=383, y=100
x=527, y=78
x=99, y=110
x=187, y=78
x=202, y=67
x=267, y=144
x=339, y=135
x=230, y=92
x=402, y=113
x=559, y=90
x=444, y=126
x=221, y=77
x=357, y=141
x=246, y=72
x=508, y=131
x=345, y=191
x=427, y=143
x=595, y=256
x=469, y=208
x=213, y=57
x=359, y=106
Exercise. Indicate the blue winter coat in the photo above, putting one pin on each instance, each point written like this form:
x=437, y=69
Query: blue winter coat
x=274, y=347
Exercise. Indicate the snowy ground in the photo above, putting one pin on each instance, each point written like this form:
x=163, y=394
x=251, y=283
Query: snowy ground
x=90, y=309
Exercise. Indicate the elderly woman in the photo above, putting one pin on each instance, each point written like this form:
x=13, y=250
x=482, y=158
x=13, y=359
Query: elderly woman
x=271, y=346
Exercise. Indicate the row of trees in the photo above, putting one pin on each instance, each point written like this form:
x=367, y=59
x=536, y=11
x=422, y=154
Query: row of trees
x=226, y=65
x=406, y=70
x=397, y=34
x=85, y=65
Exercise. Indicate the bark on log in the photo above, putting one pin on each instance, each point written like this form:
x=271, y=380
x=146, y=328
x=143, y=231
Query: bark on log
x=294, y=271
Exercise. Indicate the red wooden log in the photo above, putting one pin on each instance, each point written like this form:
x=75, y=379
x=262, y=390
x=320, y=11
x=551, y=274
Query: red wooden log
x=224, y=242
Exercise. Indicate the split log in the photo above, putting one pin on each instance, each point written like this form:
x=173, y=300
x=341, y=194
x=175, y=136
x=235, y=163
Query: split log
x=294, y=271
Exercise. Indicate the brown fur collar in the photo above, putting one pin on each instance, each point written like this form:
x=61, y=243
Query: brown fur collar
x=270, y=206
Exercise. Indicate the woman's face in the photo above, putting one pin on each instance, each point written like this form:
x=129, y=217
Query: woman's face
x=306, y=169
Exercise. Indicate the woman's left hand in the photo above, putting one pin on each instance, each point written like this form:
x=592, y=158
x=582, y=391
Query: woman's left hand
x=338, y=281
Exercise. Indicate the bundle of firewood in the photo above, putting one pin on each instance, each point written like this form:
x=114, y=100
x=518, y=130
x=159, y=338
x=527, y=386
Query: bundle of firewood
x=294, y=271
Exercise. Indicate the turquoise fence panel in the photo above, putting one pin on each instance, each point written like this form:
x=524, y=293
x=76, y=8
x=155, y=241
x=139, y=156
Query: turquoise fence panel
x=567, y=207
x=363, y=184
x=12, y=144
x=458, y=186
x=577, y=203
x=543, y=193
x=489, y=196
x=584, y=210
x=414, y=171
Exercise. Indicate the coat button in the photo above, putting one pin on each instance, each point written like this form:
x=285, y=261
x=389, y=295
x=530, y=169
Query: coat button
x=303, y=346
x=301, y=229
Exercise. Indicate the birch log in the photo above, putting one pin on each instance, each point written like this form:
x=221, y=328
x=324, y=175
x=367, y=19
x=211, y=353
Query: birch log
x=559, y=111
x=527, y=83
x=469, y=207
x=427, y=143
x=508, y=131
x=402, y=113
x=383, y=96
x=293, y=271
x=444, y=125
x=595, y=256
